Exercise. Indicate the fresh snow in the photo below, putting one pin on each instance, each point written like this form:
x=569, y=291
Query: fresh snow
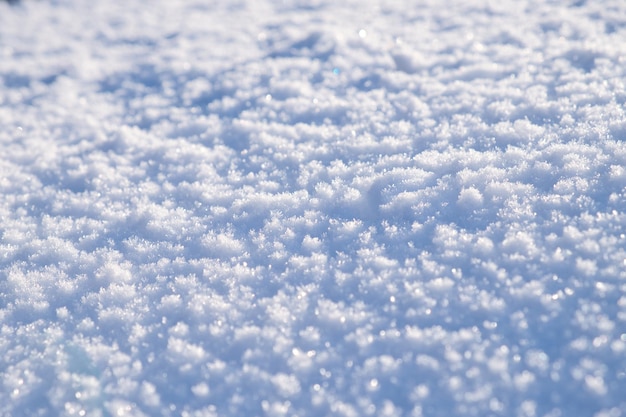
x=313, y=208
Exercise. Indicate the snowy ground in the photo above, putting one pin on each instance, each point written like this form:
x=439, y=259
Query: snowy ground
x=313, y=208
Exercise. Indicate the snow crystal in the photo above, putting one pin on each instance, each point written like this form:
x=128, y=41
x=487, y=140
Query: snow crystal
x=312, y=208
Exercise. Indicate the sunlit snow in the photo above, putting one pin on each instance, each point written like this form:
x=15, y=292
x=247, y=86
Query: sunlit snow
x=312, y=208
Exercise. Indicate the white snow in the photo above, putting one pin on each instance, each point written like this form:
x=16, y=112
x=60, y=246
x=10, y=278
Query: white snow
x=312, y=208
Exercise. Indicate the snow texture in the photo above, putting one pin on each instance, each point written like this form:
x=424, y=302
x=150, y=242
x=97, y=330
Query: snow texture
x=313, y=208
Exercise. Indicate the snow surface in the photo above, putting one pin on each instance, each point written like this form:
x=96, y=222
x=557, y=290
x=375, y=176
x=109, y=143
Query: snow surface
x=313, y=208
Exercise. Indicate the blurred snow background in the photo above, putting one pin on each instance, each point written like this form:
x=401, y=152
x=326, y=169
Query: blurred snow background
x=312, y=208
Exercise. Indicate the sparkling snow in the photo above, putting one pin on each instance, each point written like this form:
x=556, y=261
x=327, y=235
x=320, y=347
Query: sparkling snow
x=312, y=208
